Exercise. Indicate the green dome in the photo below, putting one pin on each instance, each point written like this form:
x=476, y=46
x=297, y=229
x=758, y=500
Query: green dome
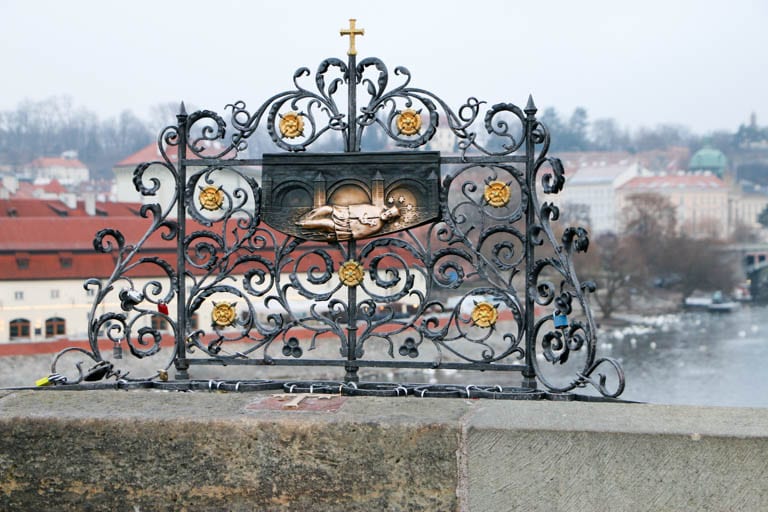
x=709, y=159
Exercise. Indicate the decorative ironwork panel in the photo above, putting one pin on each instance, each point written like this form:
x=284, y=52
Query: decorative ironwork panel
x=406, y=259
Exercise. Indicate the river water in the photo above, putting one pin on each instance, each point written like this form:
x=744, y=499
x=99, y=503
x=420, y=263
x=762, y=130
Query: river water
x=695, y=358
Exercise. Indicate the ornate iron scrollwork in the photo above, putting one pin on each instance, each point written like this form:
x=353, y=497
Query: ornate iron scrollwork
x=469, y=273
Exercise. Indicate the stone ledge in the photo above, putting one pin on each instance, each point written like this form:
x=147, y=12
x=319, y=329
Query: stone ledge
x=153, y=450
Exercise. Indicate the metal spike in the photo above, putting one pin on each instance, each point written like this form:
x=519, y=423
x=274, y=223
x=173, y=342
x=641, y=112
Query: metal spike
x=182, y=109
x=530, y=107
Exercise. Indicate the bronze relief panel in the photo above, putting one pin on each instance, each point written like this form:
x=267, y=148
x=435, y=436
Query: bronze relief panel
x=349, y=196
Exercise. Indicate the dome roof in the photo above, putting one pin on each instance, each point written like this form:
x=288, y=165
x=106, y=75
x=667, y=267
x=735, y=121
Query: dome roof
x=708, y=159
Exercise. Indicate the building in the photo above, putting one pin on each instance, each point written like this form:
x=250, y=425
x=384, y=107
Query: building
x=709, y=159
x=47, y=253
x=66, y=169
x=745, y=205
x=125, y=189
x=592, y=190
x=701, y=200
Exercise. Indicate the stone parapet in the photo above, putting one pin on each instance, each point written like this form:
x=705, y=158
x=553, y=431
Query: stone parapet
x=152, y=450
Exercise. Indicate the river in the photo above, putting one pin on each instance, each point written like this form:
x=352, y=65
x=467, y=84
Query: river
x=695, y=358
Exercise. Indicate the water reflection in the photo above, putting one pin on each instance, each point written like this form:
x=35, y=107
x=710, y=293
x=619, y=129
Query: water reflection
x=696, y=358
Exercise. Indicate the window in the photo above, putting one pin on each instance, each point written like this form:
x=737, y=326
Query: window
x=18, y=295
x=19, y=328
x=65, y=259
x=159, y=323
x=55, y=327
x=54, y=294
x=22, y=260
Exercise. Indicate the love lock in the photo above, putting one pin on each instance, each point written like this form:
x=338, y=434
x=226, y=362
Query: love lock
x=51, y=380
x=98, y=371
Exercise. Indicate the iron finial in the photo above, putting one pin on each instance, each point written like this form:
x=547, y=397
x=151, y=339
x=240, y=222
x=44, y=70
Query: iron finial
x=182, y=109
x=530, y=107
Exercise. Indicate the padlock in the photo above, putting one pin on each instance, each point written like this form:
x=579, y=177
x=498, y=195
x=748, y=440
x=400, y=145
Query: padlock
x=52, y=379
x=98, y=371
x=561, y=321
x=45, y=381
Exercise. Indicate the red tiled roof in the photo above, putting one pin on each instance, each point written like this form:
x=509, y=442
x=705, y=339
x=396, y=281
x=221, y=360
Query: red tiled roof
x=677, y=181
x=57, y=162
x=54, y=187
x=26, y=190
x=151, y=153
x=63, y=233
x=49, y=266
x=52, y=208
x=148, y=153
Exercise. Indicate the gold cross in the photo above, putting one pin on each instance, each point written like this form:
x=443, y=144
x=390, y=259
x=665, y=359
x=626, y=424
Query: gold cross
x=297, y=398
x=352, y=31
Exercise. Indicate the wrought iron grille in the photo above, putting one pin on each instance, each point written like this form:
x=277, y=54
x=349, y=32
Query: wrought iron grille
x=302, y=266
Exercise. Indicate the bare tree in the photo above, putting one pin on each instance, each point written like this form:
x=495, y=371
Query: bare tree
x=617, y=267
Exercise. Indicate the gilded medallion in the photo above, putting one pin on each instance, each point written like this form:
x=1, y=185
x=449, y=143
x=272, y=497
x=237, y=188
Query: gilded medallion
x=291, y=125
x=223, y=314
x=351, y=273
x=497, y=194
x=211, y=198
x=484, y=314
x=409, y=122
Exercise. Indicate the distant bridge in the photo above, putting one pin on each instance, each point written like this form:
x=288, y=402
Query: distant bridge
x=752, y=256
x=754, y=263
x=758, y=281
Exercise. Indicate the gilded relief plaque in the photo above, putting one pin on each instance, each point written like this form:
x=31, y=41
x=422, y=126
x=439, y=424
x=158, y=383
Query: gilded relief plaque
x=349, y=196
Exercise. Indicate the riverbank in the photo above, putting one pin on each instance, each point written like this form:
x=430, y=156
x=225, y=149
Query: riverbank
x=658, y=302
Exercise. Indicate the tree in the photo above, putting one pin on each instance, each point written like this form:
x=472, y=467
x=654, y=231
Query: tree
x=617, y=267
x=570, y=136
x=54, y=125
x=576, y=135
x=607, y=136
x=652, y=220
x=661, y=137
x=763, y=217
x=744, y=234
x=702, y=266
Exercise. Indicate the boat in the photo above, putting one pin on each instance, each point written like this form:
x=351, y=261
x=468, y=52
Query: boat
x=716, y=303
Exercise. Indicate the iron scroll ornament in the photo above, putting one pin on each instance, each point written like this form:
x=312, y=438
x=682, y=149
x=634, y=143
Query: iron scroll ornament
x=482, y=283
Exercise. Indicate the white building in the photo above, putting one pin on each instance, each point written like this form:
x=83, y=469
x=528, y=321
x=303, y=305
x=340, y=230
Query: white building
x=593, y=187
x=68, y=171
x=700, y=200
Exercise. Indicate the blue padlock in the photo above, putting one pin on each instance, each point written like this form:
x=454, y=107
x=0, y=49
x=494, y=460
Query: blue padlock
x=561, y=321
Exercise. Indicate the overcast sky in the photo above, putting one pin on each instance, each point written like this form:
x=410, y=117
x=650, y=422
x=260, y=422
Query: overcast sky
x=697, y=63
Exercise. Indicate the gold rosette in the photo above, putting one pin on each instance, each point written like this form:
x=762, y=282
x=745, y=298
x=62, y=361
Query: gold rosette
x=291, y=125
x=484, y=314
x=351, y=273
x=211, y=198
x=409, y=122
x=497, y=194
x=223, y=314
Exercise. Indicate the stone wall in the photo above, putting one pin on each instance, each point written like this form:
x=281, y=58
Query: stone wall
x=148, y=450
